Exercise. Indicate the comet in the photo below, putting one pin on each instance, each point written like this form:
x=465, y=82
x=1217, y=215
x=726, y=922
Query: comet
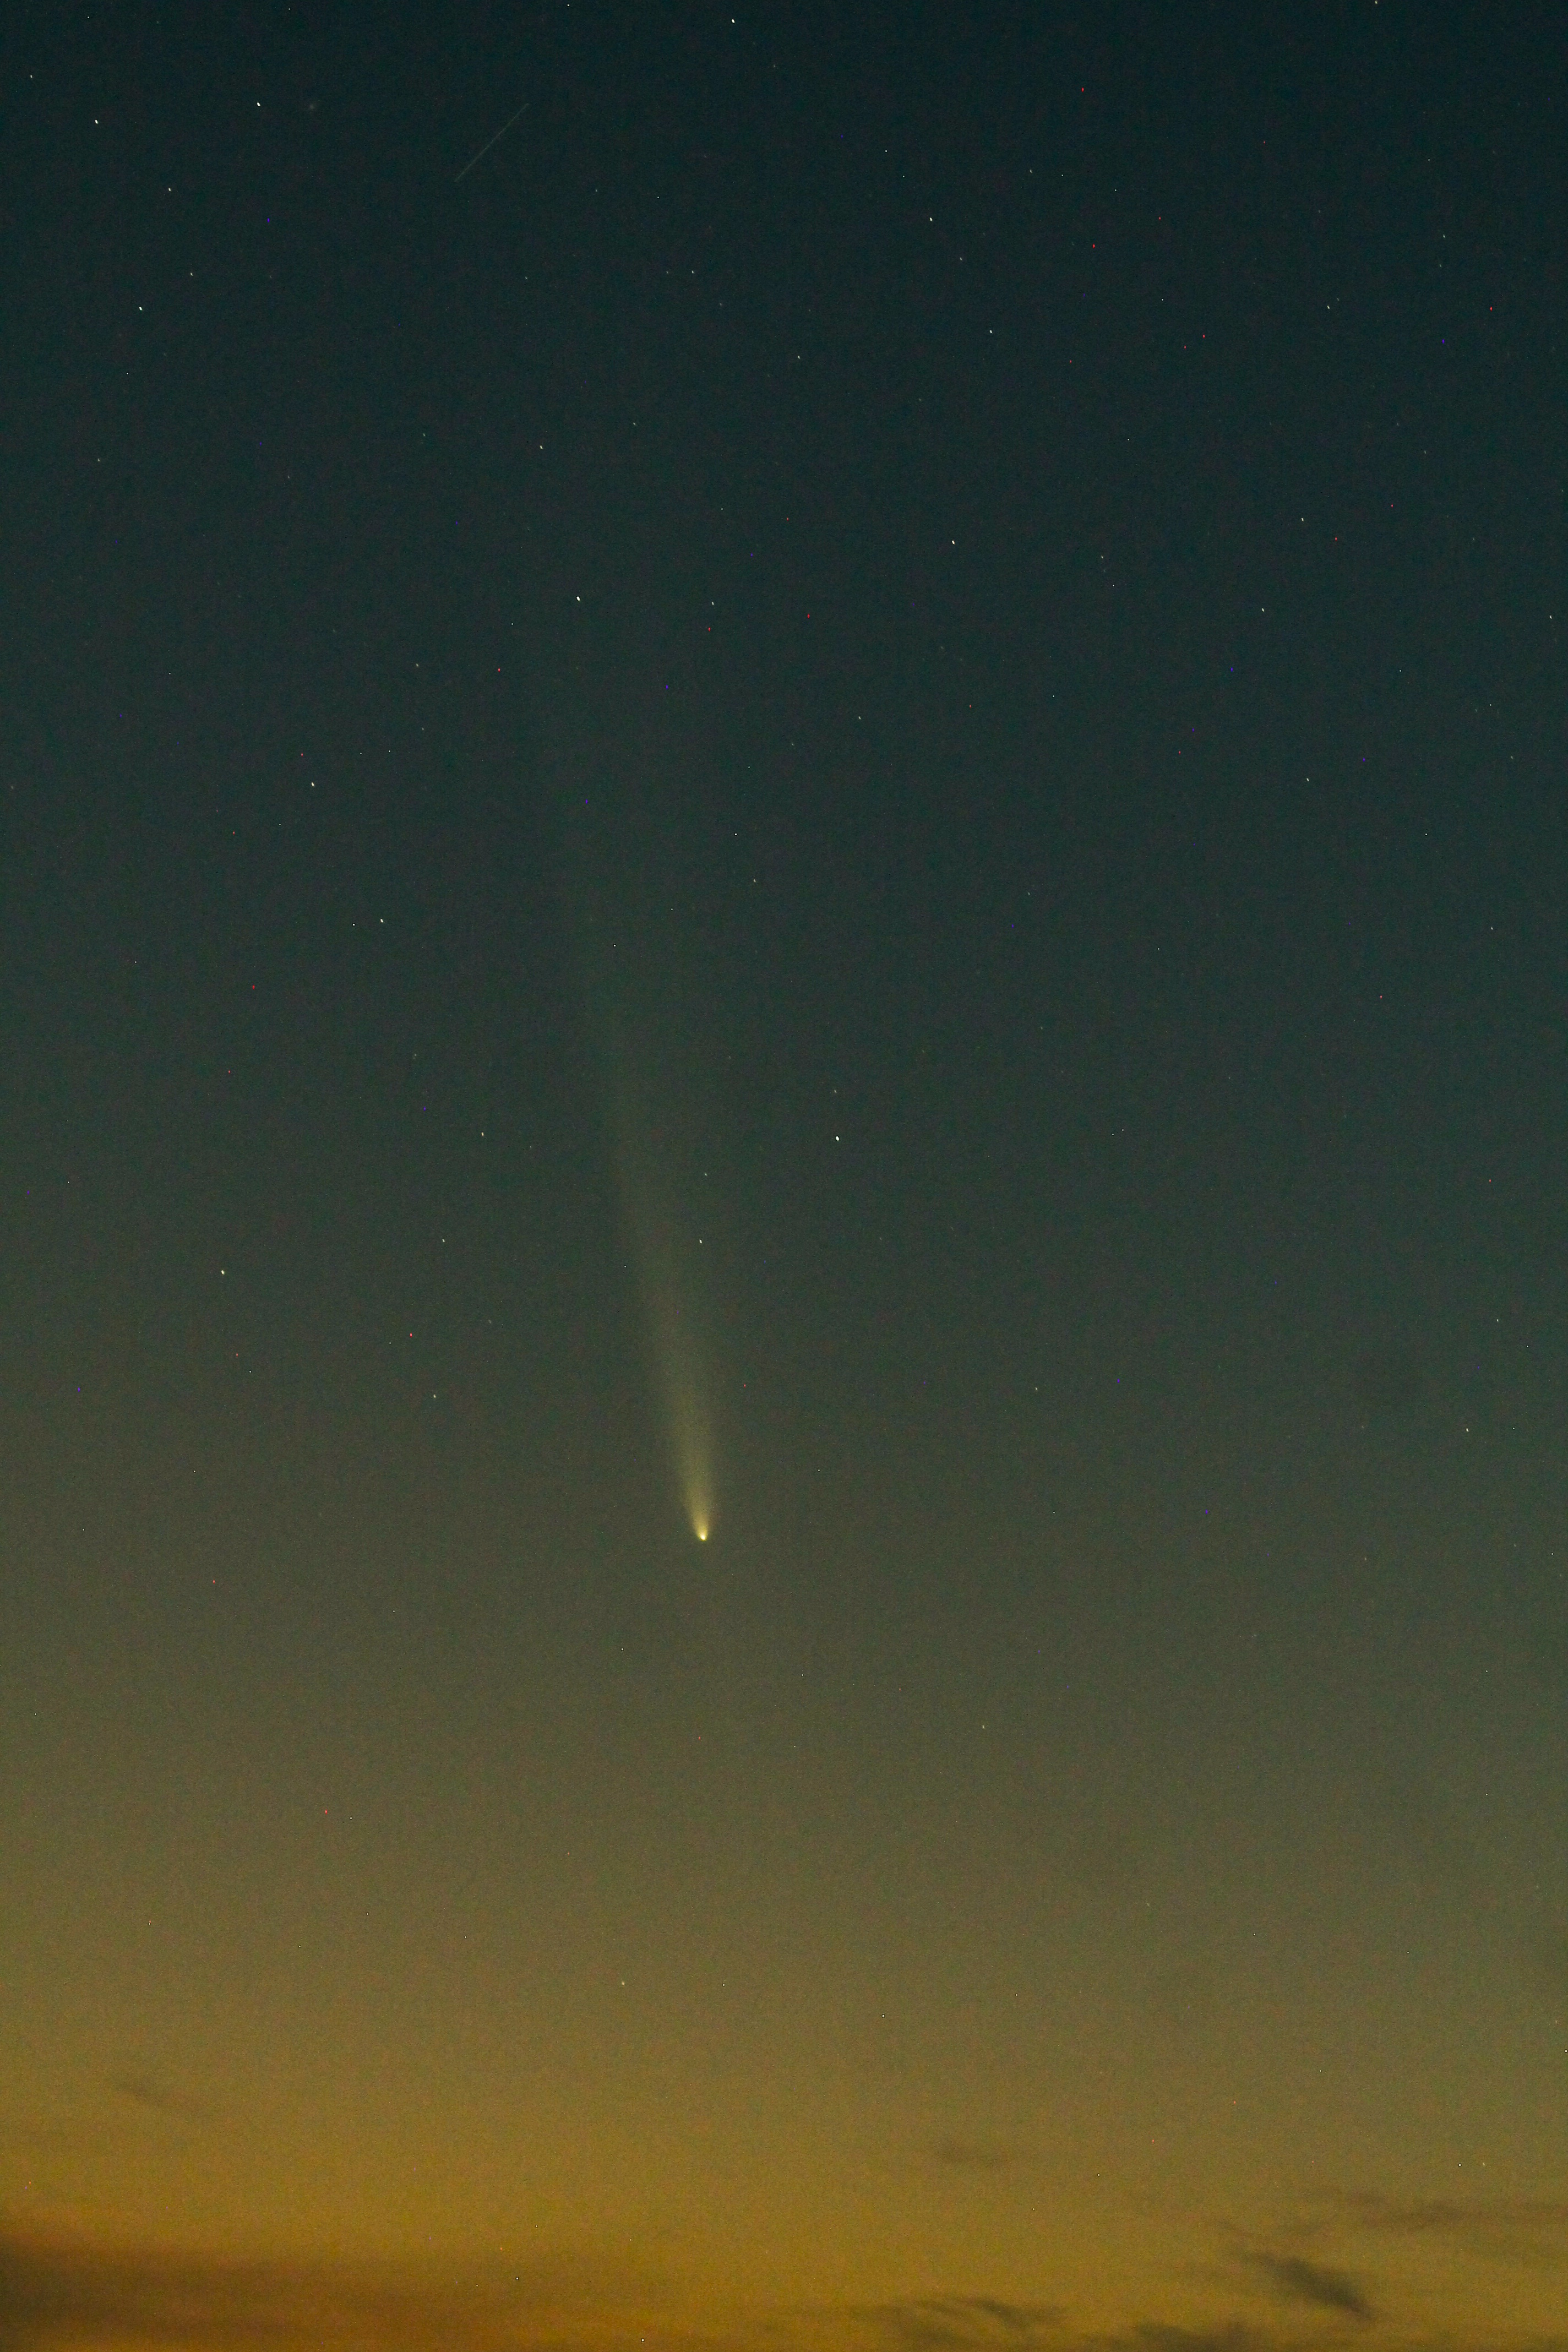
x=645, y=1027
x=678, y=1358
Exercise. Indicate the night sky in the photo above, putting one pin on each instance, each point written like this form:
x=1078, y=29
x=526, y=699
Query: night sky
x=784, y=1308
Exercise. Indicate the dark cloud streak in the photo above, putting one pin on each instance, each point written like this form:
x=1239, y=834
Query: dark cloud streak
x=1312, y=2283
x=1531, y=2231
x=955, y=2323
x=56, y=2294
x=142, y=2092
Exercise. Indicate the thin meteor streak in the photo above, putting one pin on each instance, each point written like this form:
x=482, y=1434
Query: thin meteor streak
x=485, y=150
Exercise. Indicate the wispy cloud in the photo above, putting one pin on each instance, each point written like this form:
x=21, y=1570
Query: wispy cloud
x=55, y=2295
x=1295, y=2280
x=1151, y=2337
x=967, y=2322
x=1531, y=2232
x=143, y=2092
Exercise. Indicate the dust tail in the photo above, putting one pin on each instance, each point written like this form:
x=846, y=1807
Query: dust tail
x=647, y=1026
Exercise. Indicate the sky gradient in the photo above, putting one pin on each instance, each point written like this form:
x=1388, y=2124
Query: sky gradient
x=784, y=896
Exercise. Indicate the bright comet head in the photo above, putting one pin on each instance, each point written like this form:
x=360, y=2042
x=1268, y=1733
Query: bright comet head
x=694, y=1454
